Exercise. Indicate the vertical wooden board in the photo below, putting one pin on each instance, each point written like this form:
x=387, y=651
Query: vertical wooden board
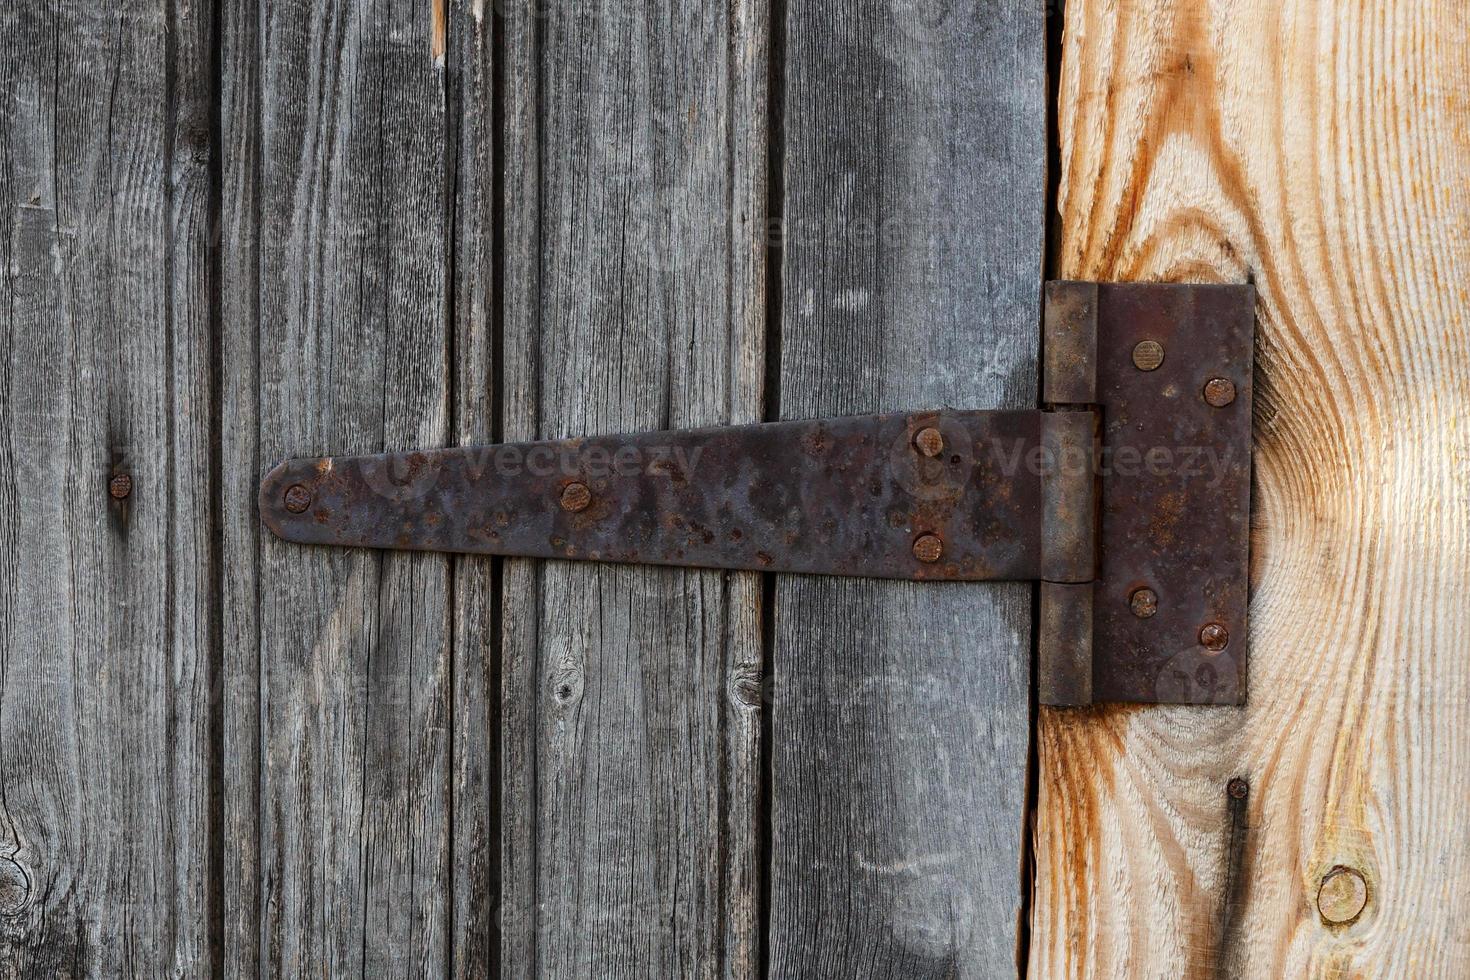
x=238, y=256
x=915, y=173
x=1318, y=149
x=342, y=224
x=105, y=618
x=474, y=938
x=634, y=194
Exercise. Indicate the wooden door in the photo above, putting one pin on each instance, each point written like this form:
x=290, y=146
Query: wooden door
x=236, y=232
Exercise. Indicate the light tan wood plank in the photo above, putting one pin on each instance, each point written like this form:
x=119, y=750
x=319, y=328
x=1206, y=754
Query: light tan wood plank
x=1321, y=150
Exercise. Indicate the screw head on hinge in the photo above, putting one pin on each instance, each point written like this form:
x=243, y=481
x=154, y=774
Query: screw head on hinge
x=1214, y=637
x=1219, y=392
x=929, y=441
x=1148, y=355
x=1144, y=603
x=928, y=548
x=576, y=497
x=298, y=498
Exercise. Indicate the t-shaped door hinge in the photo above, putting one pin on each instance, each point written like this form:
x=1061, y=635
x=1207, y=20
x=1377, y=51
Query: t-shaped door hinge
x=1127, y=496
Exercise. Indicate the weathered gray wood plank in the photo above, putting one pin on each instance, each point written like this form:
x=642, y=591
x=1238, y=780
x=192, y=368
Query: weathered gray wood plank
x=914, y=188
x=475, y=935
x=338, y=256
x=105, y=609
x=633, y=300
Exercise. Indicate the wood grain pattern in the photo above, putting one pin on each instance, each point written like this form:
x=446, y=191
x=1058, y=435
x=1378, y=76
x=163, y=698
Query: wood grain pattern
x=335, y=307
x=105, y=607
x=914, y=198
x=474, y=932
x=1318, y=149
x=633, y=300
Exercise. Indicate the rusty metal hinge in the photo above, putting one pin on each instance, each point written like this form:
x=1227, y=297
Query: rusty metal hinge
x=1127, y=496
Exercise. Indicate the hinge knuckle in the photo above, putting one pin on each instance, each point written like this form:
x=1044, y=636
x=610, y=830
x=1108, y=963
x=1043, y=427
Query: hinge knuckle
x=1069, y=496
x=1069, y=344
x=1064, y=645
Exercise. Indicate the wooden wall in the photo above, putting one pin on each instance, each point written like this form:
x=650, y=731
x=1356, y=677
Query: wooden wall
x=1318, y=150
x=238, y=232
x=232, y=232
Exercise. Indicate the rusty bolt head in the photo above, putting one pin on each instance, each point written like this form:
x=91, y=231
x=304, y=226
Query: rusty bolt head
x=298, y=498
x=1148, y=355
x=576, y=497
x=929, y=441
x=1220, y=392
x=1144, y=603
x=928, y=548
x=1214, y=637
x=120, y=486
x=1342, y=896
x=1238, y=788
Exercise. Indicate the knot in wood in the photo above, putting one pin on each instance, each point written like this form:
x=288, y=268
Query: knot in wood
x=1342, y=896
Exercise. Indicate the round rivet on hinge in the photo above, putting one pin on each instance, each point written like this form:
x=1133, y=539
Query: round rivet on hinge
x=1342, y=896
x=1220, y=392
x=929, y=441
x=298, y=498
x=928, y=548
x=120, y=486
x=1148, y=355
x=576, y=497
x=1214, y=637
x=1144, y=603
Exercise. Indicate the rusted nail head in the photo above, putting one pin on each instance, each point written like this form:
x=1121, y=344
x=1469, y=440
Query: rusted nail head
x=1238, y=788
x=929, y=441
x=1220, y=392
x=1214, y=637
x=298, y=498
x=1144, y=603
x=1148, y=355
x=928, y=548
x=576, y=497
x=1342, y=896
x=120, y=486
